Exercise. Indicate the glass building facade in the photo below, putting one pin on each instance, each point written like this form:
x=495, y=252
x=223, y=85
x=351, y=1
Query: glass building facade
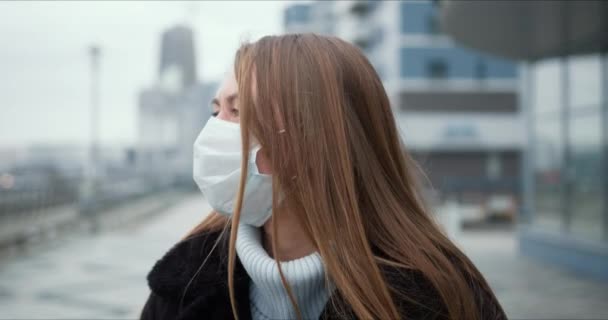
x=418, y=17
x=568, y=138
x=443, y=59
x=564, y=92
x=566, y=216
x=453, y=62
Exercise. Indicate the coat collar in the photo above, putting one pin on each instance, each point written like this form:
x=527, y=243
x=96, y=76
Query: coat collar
x=207, y=293
x=207, y=284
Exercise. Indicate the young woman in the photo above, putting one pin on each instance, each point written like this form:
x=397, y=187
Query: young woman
x=317, y=213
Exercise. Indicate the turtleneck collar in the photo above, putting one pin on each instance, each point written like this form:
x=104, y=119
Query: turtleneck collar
x=267, y=295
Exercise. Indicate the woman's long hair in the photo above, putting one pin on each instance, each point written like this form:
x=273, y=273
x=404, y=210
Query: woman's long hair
x=321, y=114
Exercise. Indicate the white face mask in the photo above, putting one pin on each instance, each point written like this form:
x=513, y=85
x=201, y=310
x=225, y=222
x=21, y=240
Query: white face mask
x=217, y=171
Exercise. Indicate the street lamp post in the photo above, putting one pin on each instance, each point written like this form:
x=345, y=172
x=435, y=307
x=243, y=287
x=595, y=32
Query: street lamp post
x=95, y=54
x=91, y=177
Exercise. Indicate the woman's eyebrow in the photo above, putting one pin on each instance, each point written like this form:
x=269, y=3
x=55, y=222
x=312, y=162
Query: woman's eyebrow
x=231, y=98
x=215, y=101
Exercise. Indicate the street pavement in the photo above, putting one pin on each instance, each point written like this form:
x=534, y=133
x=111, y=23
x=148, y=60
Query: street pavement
x=102, y=275
x=96, y=276
x=528, y=288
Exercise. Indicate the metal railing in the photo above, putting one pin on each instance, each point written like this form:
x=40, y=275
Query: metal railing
x=44, y=199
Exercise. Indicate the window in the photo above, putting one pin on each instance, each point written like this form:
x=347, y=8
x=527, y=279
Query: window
x=481, y=69
x=459, y=62
x=494, y=166
x=415, y=17
x=585, y=183
x=548, y=162
x=437, y=69
x=432, y=24
x=584, y=174
x=547, y=87
x=585, y=81
x=568, y=147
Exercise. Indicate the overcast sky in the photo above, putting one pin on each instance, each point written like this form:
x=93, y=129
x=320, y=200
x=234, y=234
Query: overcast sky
x=44, y=67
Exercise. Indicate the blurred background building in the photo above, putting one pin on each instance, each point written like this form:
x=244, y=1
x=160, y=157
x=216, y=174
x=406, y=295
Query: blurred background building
x=498, y=137
x=454, y=105
x=563, y=47
x=42, y=185
x=173, y=111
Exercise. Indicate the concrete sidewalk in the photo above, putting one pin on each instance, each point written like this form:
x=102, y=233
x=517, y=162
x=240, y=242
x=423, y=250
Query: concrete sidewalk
x=99, y=276
x=529, y=289
x=102, y=276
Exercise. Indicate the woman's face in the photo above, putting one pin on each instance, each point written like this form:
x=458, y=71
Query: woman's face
x=225, y=103
x=225, y=107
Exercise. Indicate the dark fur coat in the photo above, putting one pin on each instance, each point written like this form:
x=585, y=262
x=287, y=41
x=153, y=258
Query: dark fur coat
x=207, y=295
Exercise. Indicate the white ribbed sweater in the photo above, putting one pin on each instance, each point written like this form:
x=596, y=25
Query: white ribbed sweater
x=267, y=296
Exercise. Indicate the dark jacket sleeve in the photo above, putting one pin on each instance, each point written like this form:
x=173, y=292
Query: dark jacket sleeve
x=157, y=308
x=429, y=305
x=487, y=303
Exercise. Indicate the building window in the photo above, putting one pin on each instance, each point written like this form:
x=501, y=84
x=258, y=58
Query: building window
x=432, y=24
x=361, y=7
x=547, y=86
x=481, y=69
x=585, y=156
x=548, y=158
x=437, y=69
x=494, y=166
x=460, y=63
x=585, y=81
x=568, y=147
x=584, y=164
x=415, y=17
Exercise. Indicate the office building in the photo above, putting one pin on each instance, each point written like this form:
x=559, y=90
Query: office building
x=178, y=55
x=456, y=107
x=562, y=46
x=172, y=112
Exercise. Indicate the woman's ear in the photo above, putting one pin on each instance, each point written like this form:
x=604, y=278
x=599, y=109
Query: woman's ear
x=262, y=161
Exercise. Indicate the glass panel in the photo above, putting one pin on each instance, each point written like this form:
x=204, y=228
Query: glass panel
x=548, y=153
x=496, y=67
x=459, y=63
x=547, y=87
x=585, y=174
x=437, y=68
x=417, y=17
x=585, y=81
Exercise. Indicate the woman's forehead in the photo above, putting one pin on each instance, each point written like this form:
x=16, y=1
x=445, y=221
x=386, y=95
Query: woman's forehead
x=227, y=87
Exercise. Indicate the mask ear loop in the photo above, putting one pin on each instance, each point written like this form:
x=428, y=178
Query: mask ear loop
x=253, y=166
x=254, y=154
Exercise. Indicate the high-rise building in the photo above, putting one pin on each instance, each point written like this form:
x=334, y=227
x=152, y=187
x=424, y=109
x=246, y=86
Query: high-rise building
x=173, y=111
x=457, y=108
x=178, y=56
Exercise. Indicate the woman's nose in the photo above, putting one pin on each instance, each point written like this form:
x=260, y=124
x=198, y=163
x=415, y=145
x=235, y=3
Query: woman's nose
x=224, y=114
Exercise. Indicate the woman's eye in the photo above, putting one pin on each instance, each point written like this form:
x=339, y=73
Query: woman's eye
x=214, y=114
x=235, y=112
